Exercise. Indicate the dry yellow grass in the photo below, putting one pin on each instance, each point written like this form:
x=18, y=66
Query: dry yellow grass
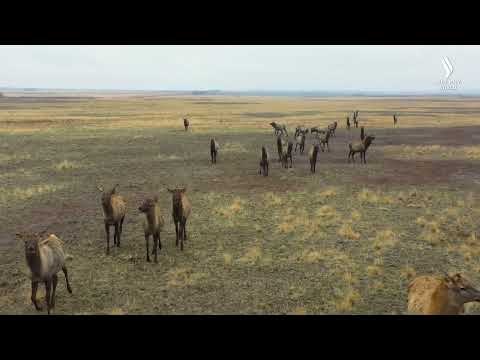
x=384, y=240
x=347, y=302
x=346, y=231
x=408, y=272
x=252, y=255
x=432, y=152
x=66, y=165
x=298, y=311
x=21, y=194
x=180, y=277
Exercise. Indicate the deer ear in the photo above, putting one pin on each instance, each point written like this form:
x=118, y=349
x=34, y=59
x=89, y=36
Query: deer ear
x=100, y=188
x=115, y=188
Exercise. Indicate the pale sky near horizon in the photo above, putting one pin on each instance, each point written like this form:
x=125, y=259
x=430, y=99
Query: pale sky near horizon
x=238, y=67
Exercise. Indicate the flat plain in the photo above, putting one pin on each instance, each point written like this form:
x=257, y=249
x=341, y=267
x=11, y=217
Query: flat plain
x=345, y=240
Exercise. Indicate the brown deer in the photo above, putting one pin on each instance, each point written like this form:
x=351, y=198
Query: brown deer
x=395, y=119
x=441, y=295
x=214, y=150
x=287, y=154
x=361, y=147
x=114, y=209
x=312, y=154
x=181, y=211
x=186, y=123
x=264, y=162
x=152, y=225
x=45, y=258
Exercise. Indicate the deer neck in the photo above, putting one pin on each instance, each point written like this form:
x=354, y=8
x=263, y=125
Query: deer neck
x=34, y=263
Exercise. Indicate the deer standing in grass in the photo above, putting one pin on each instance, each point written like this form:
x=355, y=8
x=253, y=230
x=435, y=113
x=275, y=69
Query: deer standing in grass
x=312, y=154
x=114, y=209
x=214, y=150
x=152, y=225
x=264, y=162
x=180, y=212
x=361, y=147
x=45, y=258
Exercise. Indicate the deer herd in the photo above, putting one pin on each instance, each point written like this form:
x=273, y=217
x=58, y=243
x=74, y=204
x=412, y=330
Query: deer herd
x=444, y=294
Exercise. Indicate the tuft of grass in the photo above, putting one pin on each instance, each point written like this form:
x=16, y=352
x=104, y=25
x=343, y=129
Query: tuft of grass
x=272, y=199
x=66, y=165
x=347, y=302
x=327, y=212
x=181, y=277
x=17, y=193
x=227, y=259
x=384, y=240
x=252, y=255
x=116, y=311
x=233, y=147
x=164, y=157
x=328, y=193
x=408, y=272
x=298, y=311
x=347, y=232
x=356, y=215
x=375, y=269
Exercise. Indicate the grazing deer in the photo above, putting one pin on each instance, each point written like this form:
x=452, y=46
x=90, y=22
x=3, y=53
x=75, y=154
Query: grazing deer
x=361, y=147
x=152, y=225
x=214, y=150
x=114, y=209
x=45, y=258
x=312, y=154
x=181, y=210
x=186, y=123
x=264, y=162
x=444, y=295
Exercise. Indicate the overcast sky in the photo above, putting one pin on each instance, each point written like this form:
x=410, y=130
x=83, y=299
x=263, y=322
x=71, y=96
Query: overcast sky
x=238, y=67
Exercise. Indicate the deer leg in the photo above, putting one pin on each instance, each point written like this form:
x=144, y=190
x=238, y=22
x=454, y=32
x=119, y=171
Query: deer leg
x=147, y=239
x=64, y=269
x=185, y=230
x=155, y=244
x=364, y=157
x=107, y=232
x=117, y=233
x=176, y=233
x=54, y=288
x=48, y=290
x=181, y=236
x=34, y=295
x=121, y=225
